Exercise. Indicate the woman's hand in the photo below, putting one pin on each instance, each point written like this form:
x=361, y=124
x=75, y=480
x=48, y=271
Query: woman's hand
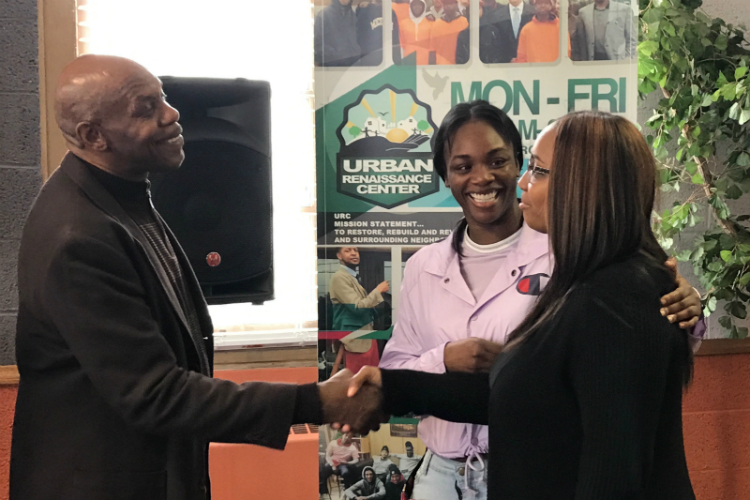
x=472, y=355
x=366, y=375
x=684, y=304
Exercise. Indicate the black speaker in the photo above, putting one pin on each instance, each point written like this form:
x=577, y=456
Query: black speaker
x=218, y=203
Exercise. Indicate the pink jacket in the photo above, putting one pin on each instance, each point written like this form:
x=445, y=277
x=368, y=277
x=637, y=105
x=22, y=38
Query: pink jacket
x=437, y=307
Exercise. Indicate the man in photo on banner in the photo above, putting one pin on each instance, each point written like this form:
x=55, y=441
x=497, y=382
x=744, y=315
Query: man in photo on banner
x=353, y=309
x=370, y=32
x=341, y=458
x=436, y=11
x=415, y=29
x=445, y=32
x=407, y=461
x=611, y=30
x=539, y=41
x=489, y=40
x=509, y=20
x=579, y=45
x=370, y=487
x=335, y=35
x=382, y=462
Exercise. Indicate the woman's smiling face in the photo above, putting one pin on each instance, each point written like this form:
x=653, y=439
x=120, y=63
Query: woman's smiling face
x=481, y=174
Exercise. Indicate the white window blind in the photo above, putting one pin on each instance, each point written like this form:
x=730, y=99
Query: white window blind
x=258, y=40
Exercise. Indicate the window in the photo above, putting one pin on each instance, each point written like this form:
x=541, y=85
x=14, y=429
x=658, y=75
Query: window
x=260, y=41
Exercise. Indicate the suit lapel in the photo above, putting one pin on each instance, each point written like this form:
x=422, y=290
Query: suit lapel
x=191, y=280
x=78, y=172
x=360, y=288
x=205, y=335
x=353, y=282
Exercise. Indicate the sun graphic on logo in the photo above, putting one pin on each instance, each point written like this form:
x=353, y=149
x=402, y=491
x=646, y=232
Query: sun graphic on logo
x=392, y=116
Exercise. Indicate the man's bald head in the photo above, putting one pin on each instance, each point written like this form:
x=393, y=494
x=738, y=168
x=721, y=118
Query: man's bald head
x=87, y=88
x=113, y=114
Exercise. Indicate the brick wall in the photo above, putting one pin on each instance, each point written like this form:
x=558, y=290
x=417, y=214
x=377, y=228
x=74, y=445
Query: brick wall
x=716, y=423
x=19, y=149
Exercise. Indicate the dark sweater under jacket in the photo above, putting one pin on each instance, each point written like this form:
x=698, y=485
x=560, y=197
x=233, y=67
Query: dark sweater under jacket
x=589, y=408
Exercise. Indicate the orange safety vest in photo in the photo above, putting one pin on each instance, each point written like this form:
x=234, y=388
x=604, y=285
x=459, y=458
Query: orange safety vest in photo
x=445, y=37
x=414, y=37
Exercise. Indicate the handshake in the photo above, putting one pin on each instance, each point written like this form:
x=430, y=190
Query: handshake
x=353, y=403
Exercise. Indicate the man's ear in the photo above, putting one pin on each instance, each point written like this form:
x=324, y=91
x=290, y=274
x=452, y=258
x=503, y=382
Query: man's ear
x=91, y=137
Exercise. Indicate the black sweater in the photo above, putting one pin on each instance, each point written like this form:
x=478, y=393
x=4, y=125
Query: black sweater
x=587, y=408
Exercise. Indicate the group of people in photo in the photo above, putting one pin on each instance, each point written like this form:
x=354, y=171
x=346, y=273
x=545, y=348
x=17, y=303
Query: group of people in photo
x=380, y=476
x=437, y=32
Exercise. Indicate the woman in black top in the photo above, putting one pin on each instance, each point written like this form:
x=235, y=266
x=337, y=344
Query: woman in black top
x=585, y=401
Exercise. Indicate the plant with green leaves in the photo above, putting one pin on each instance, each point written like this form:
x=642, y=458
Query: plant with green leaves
x=700, y=65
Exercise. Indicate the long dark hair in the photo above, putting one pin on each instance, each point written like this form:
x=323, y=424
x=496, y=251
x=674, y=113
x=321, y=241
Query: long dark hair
x=600, y=198
x=458, y=116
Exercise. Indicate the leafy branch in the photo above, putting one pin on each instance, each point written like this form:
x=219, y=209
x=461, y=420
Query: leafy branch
x=701, y=67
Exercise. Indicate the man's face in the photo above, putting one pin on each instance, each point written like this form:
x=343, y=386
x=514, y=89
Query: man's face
x=346, y=440
x=417, y=7
x=383, y=454
x=481, y=174
x=369, y=475
x=349, y=256
x=409, y=451
x=543, y=7
x=140, y=128
x=450, y=7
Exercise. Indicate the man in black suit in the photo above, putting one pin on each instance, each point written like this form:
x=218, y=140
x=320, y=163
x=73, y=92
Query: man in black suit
x=114, y=341
x=489, y=38
x=509, y=20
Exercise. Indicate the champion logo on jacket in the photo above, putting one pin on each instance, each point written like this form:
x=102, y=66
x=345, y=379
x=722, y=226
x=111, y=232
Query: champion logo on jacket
x=533, y=284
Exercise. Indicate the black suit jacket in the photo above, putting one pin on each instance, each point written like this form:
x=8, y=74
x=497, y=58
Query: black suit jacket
x=507, y=40
x=111, y=402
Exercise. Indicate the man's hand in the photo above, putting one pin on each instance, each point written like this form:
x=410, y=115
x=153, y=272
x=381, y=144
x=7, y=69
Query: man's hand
x=684, y=304
x=361, y=413
x=471, y=355
x=367, y=376
x=383, y=287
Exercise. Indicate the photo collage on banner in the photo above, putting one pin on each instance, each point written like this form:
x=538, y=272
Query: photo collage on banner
x=387, y=72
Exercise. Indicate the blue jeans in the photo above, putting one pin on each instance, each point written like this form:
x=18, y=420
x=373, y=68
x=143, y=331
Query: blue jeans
x=441, y=478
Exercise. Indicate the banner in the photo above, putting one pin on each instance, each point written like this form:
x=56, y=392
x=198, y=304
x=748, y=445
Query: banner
x=386, y=74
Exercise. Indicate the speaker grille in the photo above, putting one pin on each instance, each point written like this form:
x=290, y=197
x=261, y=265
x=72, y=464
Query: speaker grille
x=219, y=202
